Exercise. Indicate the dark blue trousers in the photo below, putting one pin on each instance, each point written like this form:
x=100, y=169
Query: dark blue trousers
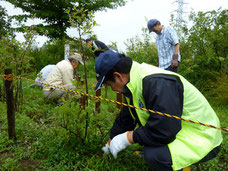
x=159, y=158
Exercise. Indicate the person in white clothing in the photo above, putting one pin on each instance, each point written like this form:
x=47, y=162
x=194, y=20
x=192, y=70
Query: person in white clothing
x=62, y=76
x=42, y=75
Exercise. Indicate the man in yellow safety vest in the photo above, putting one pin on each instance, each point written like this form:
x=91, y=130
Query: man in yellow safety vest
x=169, y=144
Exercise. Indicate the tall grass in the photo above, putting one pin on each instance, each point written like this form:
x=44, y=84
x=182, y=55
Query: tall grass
x=43, y=143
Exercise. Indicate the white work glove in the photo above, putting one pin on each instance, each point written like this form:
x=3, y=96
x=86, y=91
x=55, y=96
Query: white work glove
x=119, y=143
x=106, y=149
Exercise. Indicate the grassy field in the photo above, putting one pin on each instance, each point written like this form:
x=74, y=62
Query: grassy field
x=51, y=136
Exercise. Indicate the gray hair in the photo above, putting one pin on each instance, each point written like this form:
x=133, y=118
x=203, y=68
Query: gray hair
x=73, y=59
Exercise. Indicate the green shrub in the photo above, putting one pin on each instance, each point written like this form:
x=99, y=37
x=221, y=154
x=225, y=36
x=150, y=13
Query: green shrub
x=142, y=50
x=50, y=53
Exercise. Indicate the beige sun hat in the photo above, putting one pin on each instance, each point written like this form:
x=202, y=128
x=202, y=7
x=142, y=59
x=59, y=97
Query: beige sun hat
x=78, y=57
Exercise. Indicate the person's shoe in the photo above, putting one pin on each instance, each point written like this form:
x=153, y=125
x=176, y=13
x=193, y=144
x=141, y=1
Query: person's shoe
x=139, y=153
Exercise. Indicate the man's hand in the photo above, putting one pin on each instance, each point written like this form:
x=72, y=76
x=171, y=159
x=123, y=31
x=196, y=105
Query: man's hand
x=174, y=63
x=106, y=149
x=119, y=143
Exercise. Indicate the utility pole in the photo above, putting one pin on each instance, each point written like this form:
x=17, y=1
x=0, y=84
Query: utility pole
x=179, y=18
x=180, y=11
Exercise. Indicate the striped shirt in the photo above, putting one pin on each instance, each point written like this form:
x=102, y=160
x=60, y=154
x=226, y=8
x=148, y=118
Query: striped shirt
x=165, y=42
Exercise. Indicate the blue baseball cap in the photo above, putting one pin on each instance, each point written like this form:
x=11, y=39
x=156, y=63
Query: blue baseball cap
x=103, y=64
x=151, y=23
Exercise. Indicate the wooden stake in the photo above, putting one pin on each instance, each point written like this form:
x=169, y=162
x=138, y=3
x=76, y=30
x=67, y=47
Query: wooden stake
x=10, y=106
x=98, y=103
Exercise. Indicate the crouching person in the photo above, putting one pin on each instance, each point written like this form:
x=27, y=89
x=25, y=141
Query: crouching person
x=169, y=144
x=62, y=76
x=41, y=77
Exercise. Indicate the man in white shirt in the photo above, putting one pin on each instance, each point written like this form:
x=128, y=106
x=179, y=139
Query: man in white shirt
x=41, y=77
x=167, y=44
x=62, y=76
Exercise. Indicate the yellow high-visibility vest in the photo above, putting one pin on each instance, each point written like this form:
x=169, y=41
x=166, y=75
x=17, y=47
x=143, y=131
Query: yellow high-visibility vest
x=193, y=141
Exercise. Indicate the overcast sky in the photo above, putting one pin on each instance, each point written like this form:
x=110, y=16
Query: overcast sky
x=126, y=22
